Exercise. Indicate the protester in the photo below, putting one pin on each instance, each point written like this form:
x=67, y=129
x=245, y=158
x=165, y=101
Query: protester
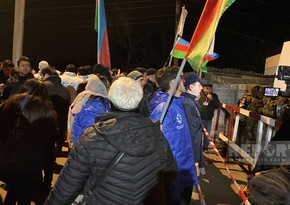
x=151, y=82
x=144, y=73
x=42, y=64
x=84, y=72
x=193, y=86
x=99, y=69
x=27, y=129
x=69, y=77
x=60, y=98
x=16, y=80
x=6, y=70
x=175, y=129
x=208, y=103
x=144, y=106
x=138, y=177
x=87, y=105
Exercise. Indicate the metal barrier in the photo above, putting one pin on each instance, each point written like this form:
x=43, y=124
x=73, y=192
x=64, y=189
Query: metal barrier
x=227, y=130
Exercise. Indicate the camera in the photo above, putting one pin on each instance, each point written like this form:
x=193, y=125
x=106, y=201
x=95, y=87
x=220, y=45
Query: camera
x=271, y=92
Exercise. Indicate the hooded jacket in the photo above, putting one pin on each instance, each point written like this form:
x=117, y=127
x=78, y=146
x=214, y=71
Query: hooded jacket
x=175, y=129
x=54, y=87
x=95, y=106
x=86, y=106
x=136, y=179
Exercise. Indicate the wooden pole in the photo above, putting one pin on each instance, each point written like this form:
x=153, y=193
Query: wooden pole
x=177, y=15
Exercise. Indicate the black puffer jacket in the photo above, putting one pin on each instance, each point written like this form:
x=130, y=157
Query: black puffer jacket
x=139, y=176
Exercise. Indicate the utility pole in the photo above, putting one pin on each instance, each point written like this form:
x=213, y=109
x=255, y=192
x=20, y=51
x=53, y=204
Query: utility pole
x=18, y=31
x=177, y=15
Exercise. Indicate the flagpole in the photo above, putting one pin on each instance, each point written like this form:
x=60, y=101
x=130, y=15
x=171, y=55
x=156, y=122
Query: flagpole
x=171, y=53
x=179, y=30
x=172, y=90
x=200, y=69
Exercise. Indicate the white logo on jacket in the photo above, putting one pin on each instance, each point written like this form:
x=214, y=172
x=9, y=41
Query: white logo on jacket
x=178, y=118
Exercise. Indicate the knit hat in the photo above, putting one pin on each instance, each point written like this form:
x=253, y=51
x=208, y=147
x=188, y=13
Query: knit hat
x=135, y=75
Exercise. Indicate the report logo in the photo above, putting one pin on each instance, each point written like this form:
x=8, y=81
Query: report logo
x=274, y=153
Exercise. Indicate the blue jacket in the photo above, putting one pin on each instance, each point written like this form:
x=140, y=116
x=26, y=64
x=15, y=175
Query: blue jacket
x=175, y=129
x=86, y=117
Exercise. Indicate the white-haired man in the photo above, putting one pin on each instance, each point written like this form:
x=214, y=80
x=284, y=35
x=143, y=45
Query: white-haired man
x=41, y=65
x=137, y=178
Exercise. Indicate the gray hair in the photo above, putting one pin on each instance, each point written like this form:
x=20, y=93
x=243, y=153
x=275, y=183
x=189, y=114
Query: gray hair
x=125, y=93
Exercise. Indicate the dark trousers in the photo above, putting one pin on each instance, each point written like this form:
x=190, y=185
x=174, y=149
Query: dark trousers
x=21, y=187
x=185, y=197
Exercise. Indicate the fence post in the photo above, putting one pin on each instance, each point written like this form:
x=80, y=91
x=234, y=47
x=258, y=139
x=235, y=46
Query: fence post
x=230, y=131
x=217, y=124
x=236, y=127
x=258, y=140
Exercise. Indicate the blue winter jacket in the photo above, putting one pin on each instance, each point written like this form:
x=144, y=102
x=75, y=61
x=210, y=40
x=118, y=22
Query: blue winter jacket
x=175, y=129
x=86, y=117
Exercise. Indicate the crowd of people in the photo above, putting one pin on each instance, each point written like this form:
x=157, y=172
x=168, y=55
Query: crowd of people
x=119, y=151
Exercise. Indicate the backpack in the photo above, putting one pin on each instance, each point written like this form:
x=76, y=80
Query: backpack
x=270, y=187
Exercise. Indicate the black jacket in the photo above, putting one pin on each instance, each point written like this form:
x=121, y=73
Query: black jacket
x=25, y=146
x=60, y=98
x=14, y=83
x=139, y=176
x=195, y=126
x=55, y=88
x=207, y=112
x=3, y=78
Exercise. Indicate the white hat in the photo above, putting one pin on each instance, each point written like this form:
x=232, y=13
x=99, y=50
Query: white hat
x=42, y=64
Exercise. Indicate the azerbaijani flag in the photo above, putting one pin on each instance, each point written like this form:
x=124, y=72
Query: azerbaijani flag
x=205, y=31
x=103, y=51
x=180, y=48
x=208, y=57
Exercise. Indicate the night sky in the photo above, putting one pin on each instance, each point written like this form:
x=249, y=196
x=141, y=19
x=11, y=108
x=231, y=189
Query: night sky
x=141, y=32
